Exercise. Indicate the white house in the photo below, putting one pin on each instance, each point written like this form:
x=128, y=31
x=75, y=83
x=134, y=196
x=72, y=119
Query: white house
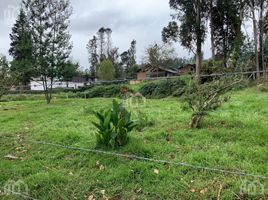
x=37, y=84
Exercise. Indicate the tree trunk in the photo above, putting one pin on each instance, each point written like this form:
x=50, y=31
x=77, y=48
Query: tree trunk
x=212, y=43
x=198, y=43
x=261, y=36
x=255, y=32
x=195, y=121
x=212, y=32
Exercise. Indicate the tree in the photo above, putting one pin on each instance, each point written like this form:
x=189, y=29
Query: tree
x=68, y=71
x=252, y=7
x=101, y=39
x=207, y=97
x=263, y=23
x=226, y=20
x=106, y=71
x=128, y=58
x=49, y=22
x=159, y=55
x=132, y=71
x=109, y=46
x=5, y=78
x=192, y=15
x=114, y=58
x=21, y=50
x=132, y=53
x=259, y=23
x=92, y=48
x=100, y=48
x=265, y=52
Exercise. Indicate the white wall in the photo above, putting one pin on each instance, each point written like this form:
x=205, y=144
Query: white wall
x=38, y=85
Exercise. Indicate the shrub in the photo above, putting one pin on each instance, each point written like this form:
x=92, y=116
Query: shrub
x=148, y=89
x=163, y=88
x=103, y=91
x=113, y=126
x=207, y=97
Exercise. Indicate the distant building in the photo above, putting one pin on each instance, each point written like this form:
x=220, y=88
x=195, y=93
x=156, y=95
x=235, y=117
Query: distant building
x=187, y=69
x=154, y=72
x=77, y=82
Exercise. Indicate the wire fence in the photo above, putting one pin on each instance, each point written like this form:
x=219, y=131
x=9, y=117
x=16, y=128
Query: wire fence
x=149, y=160
x=59, y=87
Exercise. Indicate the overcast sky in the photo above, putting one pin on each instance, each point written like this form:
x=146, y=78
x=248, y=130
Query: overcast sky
x=141, y=20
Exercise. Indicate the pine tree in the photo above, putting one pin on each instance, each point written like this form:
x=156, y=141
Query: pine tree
x=21, y=50
x=49, y=22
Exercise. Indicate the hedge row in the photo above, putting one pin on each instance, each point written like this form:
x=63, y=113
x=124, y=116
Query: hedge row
x=164, y=88
x=103, y=91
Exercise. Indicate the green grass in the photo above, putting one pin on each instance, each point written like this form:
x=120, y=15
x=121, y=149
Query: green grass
x=233, y=138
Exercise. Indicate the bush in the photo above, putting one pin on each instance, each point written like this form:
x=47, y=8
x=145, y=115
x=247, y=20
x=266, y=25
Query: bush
x=207, y=97
x=103, y=91
x=163, y=88
x=113, y=126
x=148, y=89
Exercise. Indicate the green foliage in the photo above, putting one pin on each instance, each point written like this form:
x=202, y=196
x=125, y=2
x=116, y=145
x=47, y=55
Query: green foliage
x=235, y=138
x=142, y=121
x=192, y=16
x=113, y=126
x=226, y=23
x=132, y=72
x=103, y=91
x=68, y=70
x=203, y=99
x=106, y=71
x=49, y=22
x=5, y=79
x=164, y=88
x=148, y=89
x=21, y=50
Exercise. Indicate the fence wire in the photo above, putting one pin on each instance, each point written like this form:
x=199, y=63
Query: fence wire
x=151, y=160
x=29, y=88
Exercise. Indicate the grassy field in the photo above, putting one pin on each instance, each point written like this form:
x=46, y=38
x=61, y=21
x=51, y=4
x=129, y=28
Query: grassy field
x=234, y=138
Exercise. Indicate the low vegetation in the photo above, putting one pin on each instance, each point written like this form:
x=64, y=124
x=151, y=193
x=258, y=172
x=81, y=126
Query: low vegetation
x=163, y=88
x=113, y=126
x=107, y=91
x=229, y=139
x=207, y=97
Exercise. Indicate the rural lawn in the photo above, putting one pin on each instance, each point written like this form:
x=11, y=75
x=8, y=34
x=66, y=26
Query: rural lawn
x=234, y=138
